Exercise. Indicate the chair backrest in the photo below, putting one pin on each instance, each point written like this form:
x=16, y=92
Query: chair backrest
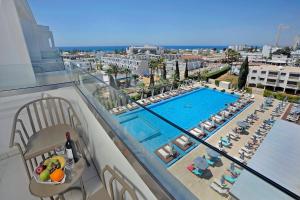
x=36, y=115
x=116, y=179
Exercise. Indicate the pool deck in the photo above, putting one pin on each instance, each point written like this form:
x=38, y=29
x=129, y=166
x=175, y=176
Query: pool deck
x=201, y=186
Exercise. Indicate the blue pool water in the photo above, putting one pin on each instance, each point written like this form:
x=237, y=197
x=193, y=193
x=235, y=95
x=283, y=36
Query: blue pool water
x=186, y=111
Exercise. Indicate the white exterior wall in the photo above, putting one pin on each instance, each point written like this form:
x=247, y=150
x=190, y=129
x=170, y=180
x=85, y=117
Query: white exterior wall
x=15, y=64
x=139, y=67
x=283, y=79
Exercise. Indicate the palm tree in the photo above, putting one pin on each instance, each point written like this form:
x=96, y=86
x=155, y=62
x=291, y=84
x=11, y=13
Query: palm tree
x=126, y=71
x=135, y=77
x=114, y=70
x=186, y=71
x=164, y=71
x=142, y=88
x=153, y=64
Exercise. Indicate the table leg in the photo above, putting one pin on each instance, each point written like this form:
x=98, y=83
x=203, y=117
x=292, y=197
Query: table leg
x=61, y=197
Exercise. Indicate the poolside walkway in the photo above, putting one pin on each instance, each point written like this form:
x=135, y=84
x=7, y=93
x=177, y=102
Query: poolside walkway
x=201, y=186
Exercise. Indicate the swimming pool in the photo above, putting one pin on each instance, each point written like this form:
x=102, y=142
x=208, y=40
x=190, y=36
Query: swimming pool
x=186, y=111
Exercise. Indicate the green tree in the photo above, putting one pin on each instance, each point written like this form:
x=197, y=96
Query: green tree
x=186, y=71
x=284, y=51
x=142, y=88
x=114, y=70
x=232, y=55
x=126, y=71
x=177, y=73
x=297, y=63
x=135, y=77
x=164, y=71
x=153, y=64
x=243, y=74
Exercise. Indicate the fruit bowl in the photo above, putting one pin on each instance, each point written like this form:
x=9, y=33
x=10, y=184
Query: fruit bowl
x=50, y=171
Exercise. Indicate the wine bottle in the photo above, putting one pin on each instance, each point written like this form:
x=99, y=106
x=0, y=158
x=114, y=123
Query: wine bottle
x=71, y=149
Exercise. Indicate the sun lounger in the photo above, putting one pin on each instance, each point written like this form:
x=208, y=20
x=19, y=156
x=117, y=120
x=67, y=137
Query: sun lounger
x=194, y=170
x=199, y=131
x=218, y=189
x=165, y=153
x=223, y=186
x=246, y=150
x=225, y=113
x=226, y=143
x=183, y=142
x=217, y=120
x=154, y=99
x=235, y=172
x=240, y=160
x=196, y=133
x=247, y=155
x=132, y=106
x=230, y=179
x=233, y=136
x=206, y=126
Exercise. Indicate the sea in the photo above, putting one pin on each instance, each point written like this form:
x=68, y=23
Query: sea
x=119, y=48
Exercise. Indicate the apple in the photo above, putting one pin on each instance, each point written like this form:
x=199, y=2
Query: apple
x=39, y=169
x=44, y=175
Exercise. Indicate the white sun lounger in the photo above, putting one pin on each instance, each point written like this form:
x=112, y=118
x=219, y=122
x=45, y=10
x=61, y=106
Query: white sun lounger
x=169, y=150
x=218, y=189
x=182, y=142
x=195, y=133
x=247, y=150
x=206, y=126
x=163, y=153
x=247, y=155
x=198, y=130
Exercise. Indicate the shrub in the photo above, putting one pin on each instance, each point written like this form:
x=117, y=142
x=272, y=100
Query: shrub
x=249, y=90
x=217, y=83
x=281, y=96
x=259, y=85
x=217, y=73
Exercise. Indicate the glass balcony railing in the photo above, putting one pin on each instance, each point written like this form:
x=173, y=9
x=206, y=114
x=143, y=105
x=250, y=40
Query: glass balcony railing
x=184, y=167
x=206, y=171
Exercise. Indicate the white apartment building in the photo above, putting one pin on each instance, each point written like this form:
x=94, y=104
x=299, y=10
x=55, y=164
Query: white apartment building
x=171, y=65
x=139, y=67
x=268, y=50
x=252, y=56
x=277, y=78
x=146, y=49
x=239, y=47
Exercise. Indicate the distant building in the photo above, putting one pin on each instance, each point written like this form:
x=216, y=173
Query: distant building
x=25, y=46
x=139, y=67
x=146, y=49
x=252, y=56
x=239, y=47
x=268, y=50
x=277, y=78
x=297, y=42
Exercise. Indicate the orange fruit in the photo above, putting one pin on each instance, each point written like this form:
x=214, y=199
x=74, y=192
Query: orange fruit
x=57, y=175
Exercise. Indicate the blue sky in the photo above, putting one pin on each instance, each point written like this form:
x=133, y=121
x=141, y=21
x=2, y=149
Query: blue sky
x=168, y=22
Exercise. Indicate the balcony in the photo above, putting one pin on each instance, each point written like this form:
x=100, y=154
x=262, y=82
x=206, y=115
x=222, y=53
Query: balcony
x=294, y=77
x=273, y=75
x=109, y=143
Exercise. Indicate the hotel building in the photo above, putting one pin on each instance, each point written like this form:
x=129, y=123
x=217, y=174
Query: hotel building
x=275, y=78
